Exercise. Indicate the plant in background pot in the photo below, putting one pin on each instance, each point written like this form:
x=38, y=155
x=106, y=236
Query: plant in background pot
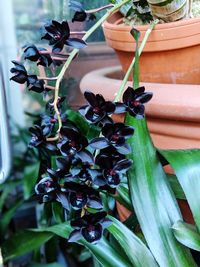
x=173, y=47
x=88, y=156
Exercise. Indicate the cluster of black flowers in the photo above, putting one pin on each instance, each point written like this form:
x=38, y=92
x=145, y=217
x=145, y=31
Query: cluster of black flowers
x=87, y=167
x=58, y=35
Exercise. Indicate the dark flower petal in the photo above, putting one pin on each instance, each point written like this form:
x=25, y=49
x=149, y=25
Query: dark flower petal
x=140, y=90
x=119, y=108
x=106, y=223
x=128, y=95
x=32, y=79
x=31, y=53
x=92, y=233
x=123, y=165
x=145, y=97
x=76, y=43
x=109, y=107
x=45, y=185
x=125, y=149
x=98, y=217
x=86, y=156
x=92, y=17
x=78, y=200
x=99, y=143
x=137, y=112
x=58, y=47
x=19, y=78
x=94, y=203
x=18, y=66
x=82, y=110
x=75, y=236
x=99, y=181
x=127, y=131
x=91, y=98
x=79, y=16
x=62, y=198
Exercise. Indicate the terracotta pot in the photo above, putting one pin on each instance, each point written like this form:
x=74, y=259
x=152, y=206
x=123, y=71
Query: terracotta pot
x=173, y=114
x=172, y=119
x=171, y=54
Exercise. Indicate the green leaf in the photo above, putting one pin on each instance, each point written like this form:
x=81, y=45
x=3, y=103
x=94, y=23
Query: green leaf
x=53, y=264
x=23, y=242
x=102, y=251
x=30, y=177
x=136, y=35
x=138, y=254
x=153, y=200
x=57, y=212
x=175, y=186
x=124, y=196
x=187, y=235
x=86, y=128
x=8, y=215
x=186, y=167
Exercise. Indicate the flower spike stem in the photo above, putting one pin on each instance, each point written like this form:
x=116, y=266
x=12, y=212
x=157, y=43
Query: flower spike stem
x=124, y=82
x=98, y=9
x=71, y=57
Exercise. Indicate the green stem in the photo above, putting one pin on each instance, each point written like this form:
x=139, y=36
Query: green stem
x=124, y=82
x=71, y=57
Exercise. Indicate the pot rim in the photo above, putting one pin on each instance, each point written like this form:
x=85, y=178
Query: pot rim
x=160, y=26
x=167, y=36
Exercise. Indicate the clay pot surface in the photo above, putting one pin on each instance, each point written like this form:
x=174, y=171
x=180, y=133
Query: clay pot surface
x=171, y=54
x=173, y=114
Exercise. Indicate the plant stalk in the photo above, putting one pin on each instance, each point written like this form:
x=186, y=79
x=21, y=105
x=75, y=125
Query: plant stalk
x=124, y=82
x=71, y=57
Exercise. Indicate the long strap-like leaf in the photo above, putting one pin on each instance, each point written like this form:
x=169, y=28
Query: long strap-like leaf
x=103, y=251
x=136, y=250
x=187, y=234
x=154, y=203
x=186, y=165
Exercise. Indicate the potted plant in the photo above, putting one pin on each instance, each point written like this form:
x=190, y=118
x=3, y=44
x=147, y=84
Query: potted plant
x=86, y=159
x=173, y=46
x=169, y=45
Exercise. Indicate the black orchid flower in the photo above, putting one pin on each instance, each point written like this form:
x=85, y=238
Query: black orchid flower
x=82, y=195
x=46, y=185
x=90, y=227
x=112, y=170
x=21, y=76
x=115, y=135
x=20, y=73
x=32, y=53
x=133, y=102
x=58, y=35
x=98, y=110
x=36, y=85
x=39, y=140
x=85, y=172
x=37, y=136
x=63, y=167
x=49, y=190
x=80, y=14
x=48, y=122
x=74, y=144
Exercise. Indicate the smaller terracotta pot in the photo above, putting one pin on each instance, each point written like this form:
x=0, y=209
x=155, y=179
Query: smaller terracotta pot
x=171, y=54
x=173, y=114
